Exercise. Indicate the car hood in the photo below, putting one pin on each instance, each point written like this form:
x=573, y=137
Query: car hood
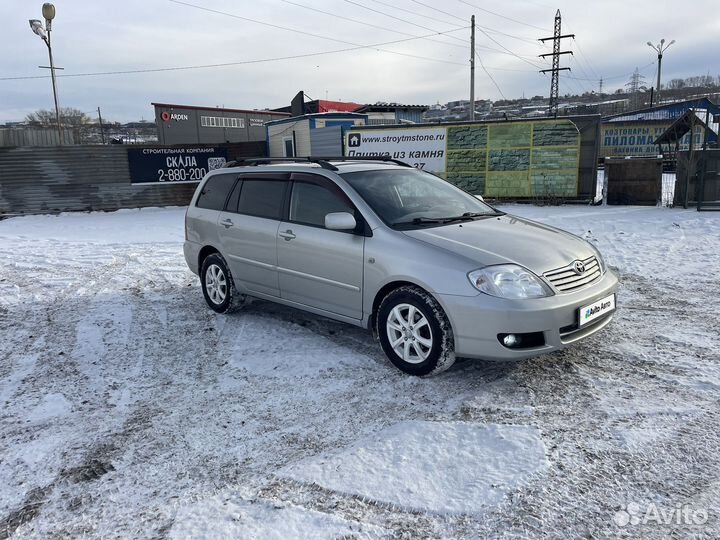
x=507, y=238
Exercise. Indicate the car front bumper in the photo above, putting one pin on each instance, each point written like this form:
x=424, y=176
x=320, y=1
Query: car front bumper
x=477, y=320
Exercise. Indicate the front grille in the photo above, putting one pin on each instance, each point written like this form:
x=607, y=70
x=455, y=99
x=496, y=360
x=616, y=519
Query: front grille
x=566, y=279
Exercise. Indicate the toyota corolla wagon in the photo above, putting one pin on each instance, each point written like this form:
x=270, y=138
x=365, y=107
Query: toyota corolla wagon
x=431, y=270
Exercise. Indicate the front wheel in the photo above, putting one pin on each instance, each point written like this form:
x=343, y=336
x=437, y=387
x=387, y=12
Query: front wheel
x=414, y=332
x=217, y=285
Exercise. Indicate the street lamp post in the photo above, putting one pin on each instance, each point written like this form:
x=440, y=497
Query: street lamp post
x=660, y=48
x=48, y=12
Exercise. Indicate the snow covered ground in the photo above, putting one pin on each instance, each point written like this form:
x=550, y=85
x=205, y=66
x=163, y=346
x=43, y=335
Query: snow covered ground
x=130, y=410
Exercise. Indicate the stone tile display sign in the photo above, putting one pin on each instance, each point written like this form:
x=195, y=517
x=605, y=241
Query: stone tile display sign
x=538, y=158
x=515, y=159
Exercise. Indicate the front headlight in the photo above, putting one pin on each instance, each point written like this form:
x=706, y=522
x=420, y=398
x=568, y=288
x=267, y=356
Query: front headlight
x=509, y=281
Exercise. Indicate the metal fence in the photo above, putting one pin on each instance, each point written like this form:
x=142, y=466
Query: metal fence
x=37, y=180
x=709, y=181
x=698, y=179
x=31, y=136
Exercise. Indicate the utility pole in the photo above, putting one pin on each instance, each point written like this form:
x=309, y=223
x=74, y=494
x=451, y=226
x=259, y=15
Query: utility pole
x=472, y=67
x=660, y=48
x=102, y=128
x=556, y=69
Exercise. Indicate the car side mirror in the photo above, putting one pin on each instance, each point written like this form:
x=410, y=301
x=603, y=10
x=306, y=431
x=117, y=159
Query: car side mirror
x=340, y=221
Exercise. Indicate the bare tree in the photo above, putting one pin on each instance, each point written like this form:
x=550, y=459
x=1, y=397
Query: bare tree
x=676, y=84
x=69, y=116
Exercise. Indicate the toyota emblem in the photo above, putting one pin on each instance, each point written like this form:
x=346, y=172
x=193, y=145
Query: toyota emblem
x=579, y=268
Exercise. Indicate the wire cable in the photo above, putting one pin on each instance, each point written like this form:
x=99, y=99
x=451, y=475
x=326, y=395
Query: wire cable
x=290, y=29
x=504, y=16
x=482, y=65
x=244, y=62
x=624, y=75
x=413, y=13
x=536, y=66
x=357, y=21
x=425, y=27
x=487, y=28
x=396, y=18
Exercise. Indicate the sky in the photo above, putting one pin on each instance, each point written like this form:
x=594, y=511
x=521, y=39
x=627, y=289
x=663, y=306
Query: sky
x=420, y=56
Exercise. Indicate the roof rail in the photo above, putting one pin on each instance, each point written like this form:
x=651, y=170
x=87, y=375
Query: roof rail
x=324, y=162
x=263, y=160
x=362, y=158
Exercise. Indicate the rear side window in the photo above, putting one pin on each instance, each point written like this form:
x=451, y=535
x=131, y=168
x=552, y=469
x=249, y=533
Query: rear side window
x=215, y=191
x=311, y=202
x=262, y=198
x=232, y=203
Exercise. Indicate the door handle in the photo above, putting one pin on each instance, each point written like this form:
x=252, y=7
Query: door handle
x=227, y=223
x=287, y=235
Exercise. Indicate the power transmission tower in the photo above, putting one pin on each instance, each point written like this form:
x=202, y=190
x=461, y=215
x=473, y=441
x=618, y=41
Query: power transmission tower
x=556, y=69
x=636, y=84
x=601, y=87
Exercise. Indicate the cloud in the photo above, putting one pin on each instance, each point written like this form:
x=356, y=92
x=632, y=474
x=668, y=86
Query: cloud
x=100, y=36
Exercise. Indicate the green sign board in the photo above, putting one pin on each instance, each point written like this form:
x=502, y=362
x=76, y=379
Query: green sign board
x=495, y=159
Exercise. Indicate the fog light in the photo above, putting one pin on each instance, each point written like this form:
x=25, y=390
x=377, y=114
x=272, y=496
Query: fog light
x=528, y=340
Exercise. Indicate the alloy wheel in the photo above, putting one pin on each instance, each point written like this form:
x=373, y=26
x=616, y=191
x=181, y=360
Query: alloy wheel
x=216, y=284
x=409, y=333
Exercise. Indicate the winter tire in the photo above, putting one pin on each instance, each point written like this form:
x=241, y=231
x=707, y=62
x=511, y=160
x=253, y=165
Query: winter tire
x=217, y=285
x=414, y=332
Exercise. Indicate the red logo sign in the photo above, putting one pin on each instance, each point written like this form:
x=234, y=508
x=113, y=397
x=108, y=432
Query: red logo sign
x=165, y=116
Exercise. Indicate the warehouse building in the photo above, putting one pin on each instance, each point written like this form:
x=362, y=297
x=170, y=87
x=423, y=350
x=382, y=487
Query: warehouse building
x=184, y=124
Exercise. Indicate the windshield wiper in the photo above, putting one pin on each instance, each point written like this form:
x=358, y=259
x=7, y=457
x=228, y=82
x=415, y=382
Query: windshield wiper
x=467, y=216
x=416, y=221
x=425, y=220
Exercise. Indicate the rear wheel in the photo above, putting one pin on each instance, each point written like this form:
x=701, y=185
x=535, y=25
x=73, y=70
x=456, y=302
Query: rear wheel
x=217, y=285
x=414, y=332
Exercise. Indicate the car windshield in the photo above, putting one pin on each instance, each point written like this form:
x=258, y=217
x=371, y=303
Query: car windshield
x=410, y=198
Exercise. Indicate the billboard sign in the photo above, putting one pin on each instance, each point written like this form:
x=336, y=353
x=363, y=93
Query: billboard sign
x=497, y=159
x=637, y=139
x=173, y=165
x=423, y=148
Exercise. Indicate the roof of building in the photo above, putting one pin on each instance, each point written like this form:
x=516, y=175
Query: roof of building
x=388, y=107
x=316, y=115
x=219, y=109
x=682, y=126
x=665, y=112
x=324, y=105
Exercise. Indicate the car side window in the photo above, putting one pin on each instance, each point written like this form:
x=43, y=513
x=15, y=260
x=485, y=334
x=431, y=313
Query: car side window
x=262, y=198
x=215, y=191
x=310, y=202
x=232, y=202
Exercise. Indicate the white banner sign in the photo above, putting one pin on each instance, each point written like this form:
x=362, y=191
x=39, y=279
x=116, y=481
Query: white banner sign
x=423, y=148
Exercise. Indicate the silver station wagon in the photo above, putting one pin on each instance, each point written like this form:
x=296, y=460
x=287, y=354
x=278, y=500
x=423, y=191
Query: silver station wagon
x=431, y=270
